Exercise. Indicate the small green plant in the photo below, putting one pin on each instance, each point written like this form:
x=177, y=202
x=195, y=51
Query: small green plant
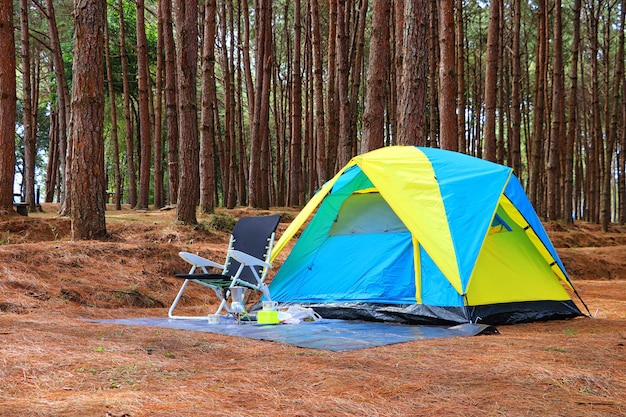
x=222, y=222
x=99, y=349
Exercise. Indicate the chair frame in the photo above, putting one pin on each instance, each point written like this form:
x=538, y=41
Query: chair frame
x=199, y=267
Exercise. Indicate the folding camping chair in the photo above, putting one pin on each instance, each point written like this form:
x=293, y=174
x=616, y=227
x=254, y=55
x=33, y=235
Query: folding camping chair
x=245, y=267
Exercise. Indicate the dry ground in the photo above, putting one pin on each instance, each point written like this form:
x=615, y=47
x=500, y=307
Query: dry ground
x=53, y=364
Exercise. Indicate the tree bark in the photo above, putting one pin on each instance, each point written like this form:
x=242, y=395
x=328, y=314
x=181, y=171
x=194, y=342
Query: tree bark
x=447, y=81
x=572, y=111
x=128, y=136
x=558, y=117
x=320, y=126
x=207, y=124
x=187, y=58
x=145, y=139
x=296, y=181
x=159, y=191
x=7, y=106
x=613, y=128
x=491, y=80
x=413, y=86
x=87, y=178
x=171, y=110
x=377, y=77
x=30, y=141
x=516, y=92
x=113, y=111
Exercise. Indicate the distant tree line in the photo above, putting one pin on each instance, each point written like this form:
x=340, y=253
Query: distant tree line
x=224, y=103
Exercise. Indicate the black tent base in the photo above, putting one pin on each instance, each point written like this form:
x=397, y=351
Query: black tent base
x=492, y=314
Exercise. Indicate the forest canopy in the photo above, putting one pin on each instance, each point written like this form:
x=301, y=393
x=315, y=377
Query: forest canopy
x=232, y=103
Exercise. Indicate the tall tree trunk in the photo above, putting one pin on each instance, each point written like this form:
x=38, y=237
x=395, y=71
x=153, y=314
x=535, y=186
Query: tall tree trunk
x=187, y=58
x=613, y=128
x=145, y=138
x=128, y=136
x=229, y=169
x=558, y=118
x=7, y=106
x=433, y=76
x=296, y=180
x=460, y=78
x=447, y=83
x=377, y=77
x=63, y=102
x=332, y=100
x=52, y=170
x=572, y=111
x=491, y=80
x=343, y=73
x=87, y=178
x=595, y=148
x=207, y=124
x=113, y=111
x=320, y=126
x=258, y=195
x=516, y=92
x=30, y=142
x=356, y=60
x=535, y=174
x=171, y=109
x=413, y=85
x=159, y=191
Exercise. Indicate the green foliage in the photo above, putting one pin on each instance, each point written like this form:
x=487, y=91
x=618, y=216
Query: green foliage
x=222, y=222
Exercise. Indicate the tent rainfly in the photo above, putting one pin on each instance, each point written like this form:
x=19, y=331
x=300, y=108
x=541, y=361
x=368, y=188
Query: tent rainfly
x=423, y=235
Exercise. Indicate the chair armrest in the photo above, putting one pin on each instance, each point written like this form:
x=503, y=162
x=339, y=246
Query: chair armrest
x=246, y=259
x=196, y=260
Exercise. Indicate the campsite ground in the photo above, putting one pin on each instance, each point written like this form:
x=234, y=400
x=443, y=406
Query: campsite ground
x=54, y=364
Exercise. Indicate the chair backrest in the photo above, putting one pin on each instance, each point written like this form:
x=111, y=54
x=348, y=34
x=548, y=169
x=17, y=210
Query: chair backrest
x=254, y=236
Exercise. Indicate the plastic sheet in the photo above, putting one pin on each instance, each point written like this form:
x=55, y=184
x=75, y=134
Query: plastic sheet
x=325, y=334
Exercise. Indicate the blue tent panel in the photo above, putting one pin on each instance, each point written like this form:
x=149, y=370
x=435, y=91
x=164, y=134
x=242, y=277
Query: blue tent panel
x=350, y=268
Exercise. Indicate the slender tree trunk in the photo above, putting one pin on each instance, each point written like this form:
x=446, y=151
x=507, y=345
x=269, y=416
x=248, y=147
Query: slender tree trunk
x=296, y=180
x=535, y=173
x=433, y=76
x=377, y=76
x=88, y=185
x=357, y=61
x=187, y=58
x=63, y=102
x=460, y=78
x=207, y=124
x=332, y=101
x=320, y=126
x=447, y=83
x=516, y=92
x=30, y=142
x=159, y=191
x=113, y=111
x=612, y=136
x=52, y=170
x=343, y=74
x=413, y=85
x=593, y=155
x=259, y=140
x=7, y=106
x=171, y=110
x=128, y=136
x=491, y=80
x=145, y=138
x=572, y=111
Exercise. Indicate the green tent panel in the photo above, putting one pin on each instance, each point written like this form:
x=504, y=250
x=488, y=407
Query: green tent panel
x=423, y=235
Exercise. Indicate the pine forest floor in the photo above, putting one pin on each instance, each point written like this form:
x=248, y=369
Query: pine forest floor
x=54, y=364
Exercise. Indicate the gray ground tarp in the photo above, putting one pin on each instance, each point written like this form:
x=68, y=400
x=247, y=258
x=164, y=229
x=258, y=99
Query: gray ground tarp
x=325, y=334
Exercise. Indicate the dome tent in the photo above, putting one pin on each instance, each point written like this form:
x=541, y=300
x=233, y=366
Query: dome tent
x=423, y=235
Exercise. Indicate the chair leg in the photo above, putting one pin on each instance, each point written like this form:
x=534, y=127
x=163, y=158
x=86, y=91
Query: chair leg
x=170, y=313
